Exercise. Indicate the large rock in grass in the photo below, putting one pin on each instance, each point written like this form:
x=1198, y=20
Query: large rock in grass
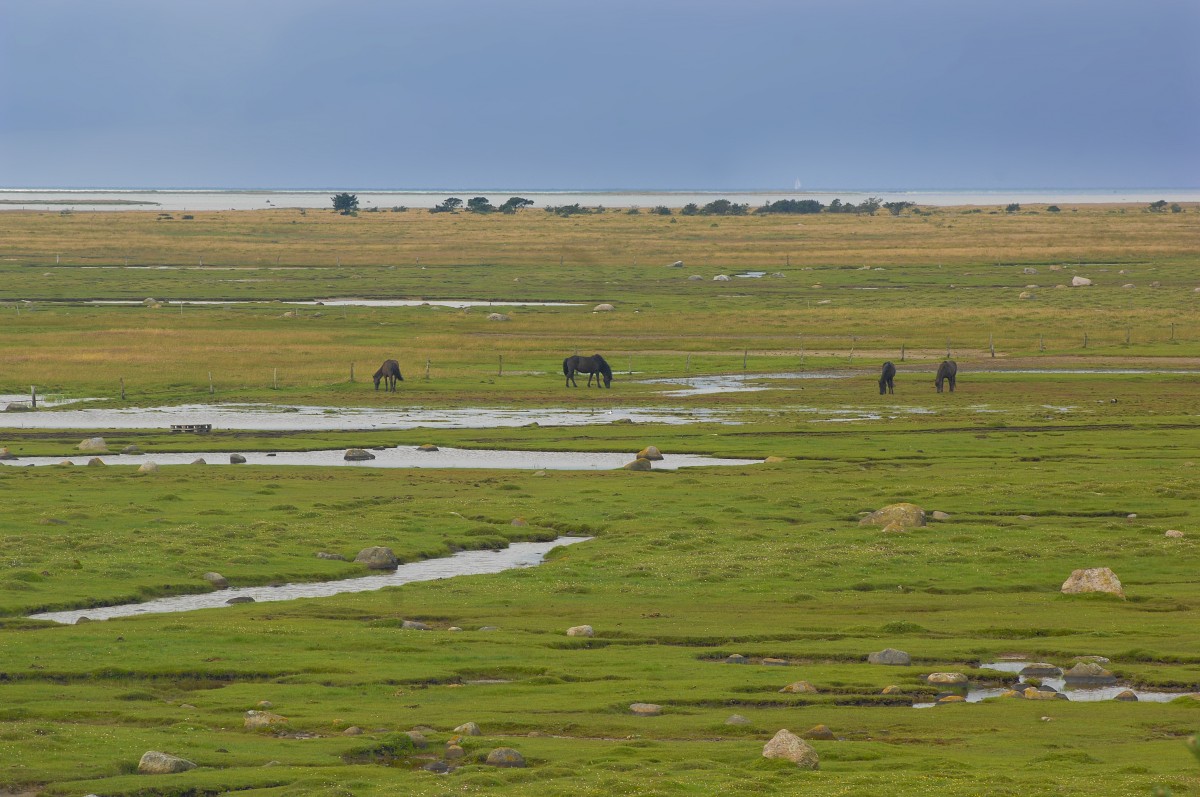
x=148, y=467
x=651, y=453
x=639, y=464
x=896, y=517
x=646, y=709
x=357, y=455
x=897, y=658
x=1080, y=282
x=377, y=557
x=1093, y=579
x=95, y=444
x=262, y=719
x=217, y=580
x=946, y=679
x=581, y=630
x=469, y=729
x=786, y=744
x=1088, y=673
x=505, y=757
x=799, y=688
x=156, y=763
x=603, y=308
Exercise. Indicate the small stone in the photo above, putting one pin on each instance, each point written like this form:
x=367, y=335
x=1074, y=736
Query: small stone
x=1079, y=282
x=334, y=556
x=941, y=701
x=413, y=625
x=773, y=460
x=800, y=688
x=469, y=729
x=454, y=628
x=773, y=662
x=1173, y=534
x=1041, y=670
x=505, y=757
x=454, y=752
x=96, y=444
x=787, y=745
x=736, y=658
x=1128, y=696
x=581, y=630
x=156, y=763
x=737, y=719
x=646, y=709
x=497, y=317
x=939, y=515
x=946, y=678
x=519, y=522
x=1088, y=672
x=418, y=739
x=1031, y=693
x=819, y=732
x=199, y=461
x=239, y=599
x=603, y=308
x=148, y=467
x=488, y=628
x=353, y=730
x=891, y=690
x=427, y=447
x=237, y=459
x=265, y=704
x=639, y=465
x=357, y=455
x=437, y=767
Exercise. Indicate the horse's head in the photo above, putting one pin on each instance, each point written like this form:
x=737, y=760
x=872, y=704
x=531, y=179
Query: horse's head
x=377, y=378
x=608, y=379
x=882, y=386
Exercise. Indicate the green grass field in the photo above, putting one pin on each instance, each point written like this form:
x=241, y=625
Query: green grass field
x=1040, y=473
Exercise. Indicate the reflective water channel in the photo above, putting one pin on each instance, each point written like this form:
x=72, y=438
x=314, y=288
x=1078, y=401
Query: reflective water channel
x=401, y=457
x=1077, y=694
x=463, y=563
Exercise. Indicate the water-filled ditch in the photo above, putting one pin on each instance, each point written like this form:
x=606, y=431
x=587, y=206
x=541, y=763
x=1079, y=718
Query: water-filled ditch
x=463, y=563
x=1077, y=694
x=402, y=457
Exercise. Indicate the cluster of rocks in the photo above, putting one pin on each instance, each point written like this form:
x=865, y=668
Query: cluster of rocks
x=645, y=457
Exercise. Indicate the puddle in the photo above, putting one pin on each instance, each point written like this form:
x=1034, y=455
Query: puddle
x=20, y=401
x=737, y=383
x=275, y=417
x=348, y=302
x=403, y=457
x=464, y=563
x=1075, y=694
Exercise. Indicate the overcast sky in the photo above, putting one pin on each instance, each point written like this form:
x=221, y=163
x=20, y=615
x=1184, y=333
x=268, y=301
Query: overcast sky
x=600, y=94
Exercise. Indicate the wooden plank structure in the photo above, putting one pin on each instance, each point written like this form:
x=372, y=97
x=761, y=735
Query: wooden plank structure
x=198, y=428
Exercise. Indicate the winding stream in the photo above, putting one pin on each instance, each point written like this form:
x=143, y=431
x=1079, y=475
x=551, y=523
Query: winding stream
x=463, y=563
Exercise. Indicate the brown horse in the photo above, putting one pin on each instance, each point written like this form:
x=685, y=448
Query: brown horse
x=389, y=372
x=946, y=372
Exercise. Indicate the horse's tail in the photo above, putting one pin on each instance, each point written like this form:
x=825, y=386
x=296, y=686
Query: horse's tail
x=566, y=367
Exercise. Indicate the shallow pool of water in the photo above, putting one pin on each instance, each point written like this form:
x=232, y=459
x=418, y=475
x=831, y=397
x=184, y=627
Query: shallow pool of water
x=349, y=302
x=274, y=417
x=403, y=457
x=737, y=383
x=1076, y=694
x=464, y=563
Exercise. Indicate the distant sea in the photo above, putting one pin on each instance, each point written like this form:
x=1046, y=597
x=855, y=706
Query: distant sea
x=212, y=199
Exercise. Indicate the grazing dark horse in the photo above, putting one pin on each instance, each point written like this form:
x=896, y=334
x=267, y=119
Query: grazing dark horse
x=389, y=372
x=885, y=379
x=592, y=366
x=946, y=373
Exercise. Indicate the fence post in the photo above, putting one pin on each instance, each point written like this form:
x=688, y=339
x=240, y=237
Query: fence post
x=1041, y=342
x=275, y=379
x=500, y=372
x=947, y=349
x=687, y=366
x=901, y=352
x=32, y=397
x=352, y=370
x=1085, y=340
x=211, y=389
x=122, y=388
x=992, y=344
x=426, y=369
x=1127, y=331
x=631, y=365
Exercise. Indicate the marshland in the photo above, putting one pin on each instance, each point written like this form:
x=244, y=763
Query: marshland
x=1071, y=441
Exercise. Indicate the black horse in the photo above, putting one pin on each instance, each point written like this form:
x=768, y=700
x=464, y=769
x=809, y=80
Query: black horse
x=885, y=379
x=389, y=372
x=592, y=366
x=946, y=373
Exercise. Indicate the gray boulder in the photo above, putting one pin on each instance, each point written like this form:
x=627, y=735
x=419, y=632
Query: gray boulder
x=469, y=729
x=357, y=455
x=1093, y=579
x=262, y=719
x=148, y=467
x=377, y=558
x=237, y=459
x=581, y=630
x=156, y=763
x=95, y=444
x=5, y=454
x=335, y=556
x=788, y=745
x=505, y=757
x=131, y=450
x=96, y=462
x=890, y=656
x=639, y=465
x=413, y=625
x=651, y=453
x=216, y=579
x=646, y=709
x=1088, y=672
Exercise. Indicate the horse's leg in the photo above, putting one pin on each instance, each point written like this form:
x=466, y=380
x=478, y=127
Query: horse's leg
x=952, y=383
